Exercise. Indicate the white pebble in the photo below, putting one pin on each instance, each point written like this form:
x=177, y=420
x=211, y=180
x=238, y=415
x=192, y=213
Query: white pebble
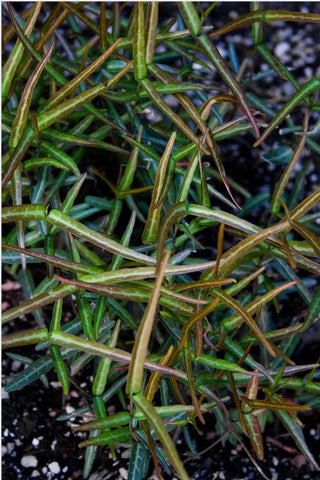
x=4, y=394
x=275, y=461
x=16, y=364
x=29, y=461
x=54, y=467
x=281, y=49
x=123, y=473
x=35, y=474
x=35, y=442
x=10, y=447
x=53, y=444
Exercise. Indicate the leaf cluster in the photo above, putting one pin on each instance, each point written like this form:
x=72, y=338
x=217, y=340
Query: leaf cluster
x=117, y=207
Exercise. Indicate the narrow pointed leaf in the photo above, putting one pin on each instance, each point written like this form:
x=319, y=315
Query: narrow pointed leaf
x=29, y=337
x=191, y=17
x=231, y=322
x=305, y=90
x=25, y=101
x=153, y=418
x=119, y=435
x=66, y=223
x=231, y=302
x=39, y=162
x=214, y=56
x=255, y=435
x=96, y=348
x=297, y=434
x=139, y=352
x=150, y=232
x=218, y=363
x=39, y=301
x=313, y=311
x=151, y=30
x=75, y=267
x=23, y=213
x=139, y=47
x=11, y=65
x=266, y=16
x=63, y=93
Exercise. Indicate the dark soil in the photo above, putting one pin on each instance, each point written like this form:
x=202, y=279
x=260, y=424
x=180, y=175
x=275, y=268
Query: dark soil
x=31, y=430
x=31, y=433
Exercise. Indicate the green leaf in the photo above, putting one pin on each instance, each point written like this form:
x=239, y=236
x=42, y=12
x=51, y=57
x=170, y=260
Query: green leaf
x=13, y=62
x=39, y=162
x=297, y=435
x=59, y=219
x=39, y=301
x=139, y=462
x=139, y=352
x=96, y=348
x=63, y=93
x=305, y=90
x=191, y=17
x=139, y=47
x=58, y=262
x=313, y=311
x=218, y=363
x=21, y=117
x=266, y=16
x=119, y=435
x=153, y=418
x=23, y=213
x=150, y=232
x=29, y=337
x=278, y=156
x=254, y=433
x=31, y=373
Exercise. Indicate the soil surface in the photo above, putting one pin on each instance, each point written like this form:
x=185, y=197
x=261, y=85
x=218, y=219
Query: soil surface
x=36, y=445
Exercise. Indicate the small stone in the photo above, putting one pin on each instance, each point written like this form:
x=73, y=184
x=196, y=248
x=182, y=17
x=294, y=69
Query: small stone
x=70, y=409
x=53, y=445
x=35, y=474
x=4, y=394
x=124, y=473
x=275, y=461
x=15, y=365
x=10, y=447
x=35, y=442
x=54, y=467
x=29, y=461
x=281, y=49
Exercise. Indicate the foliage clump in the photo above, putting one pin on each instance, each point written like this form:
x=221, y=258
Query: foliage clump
x=117, y=202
